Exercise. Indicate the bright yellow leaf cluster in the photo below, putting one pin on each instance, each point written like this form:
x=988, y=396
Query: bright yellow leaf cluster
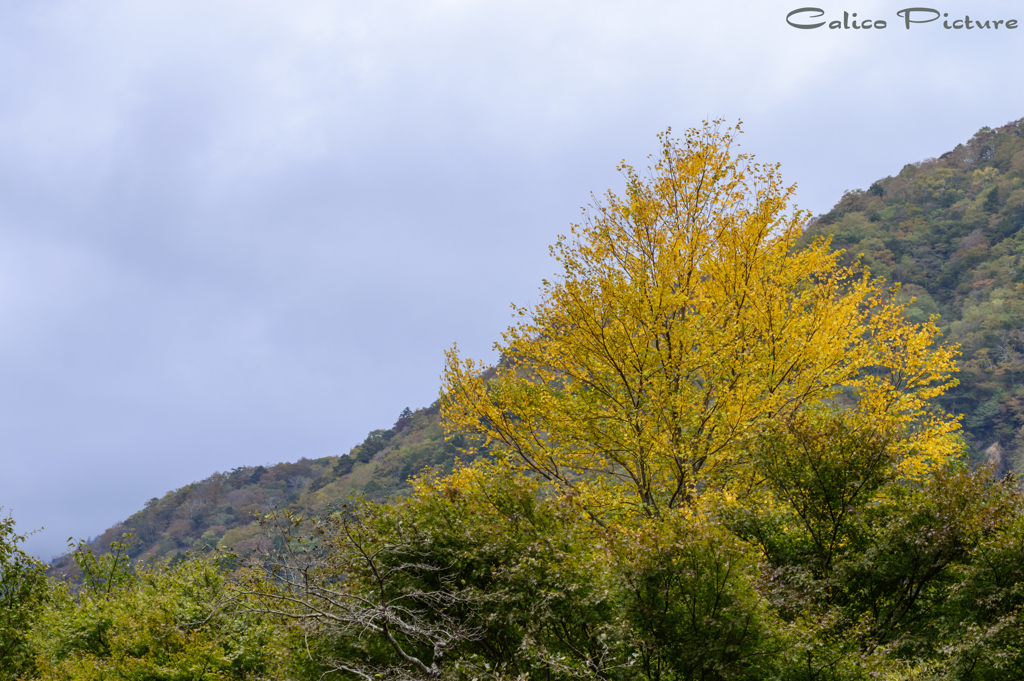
x=683, y=321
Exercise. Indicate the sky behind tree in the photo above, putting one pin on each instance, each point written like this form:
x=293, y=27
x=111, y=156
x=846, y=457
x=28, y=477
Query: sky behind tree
x=235, y=233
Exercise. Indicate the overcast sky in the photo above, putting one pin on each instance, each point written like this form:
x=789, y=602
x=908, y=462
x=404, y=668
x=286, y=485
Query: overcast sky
x=237, y=233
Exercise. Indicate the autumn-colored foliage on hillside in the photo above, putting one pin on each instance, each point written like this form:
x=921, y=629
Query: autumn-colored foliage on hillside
x=949, y=230
x=713, y=451
x=222, y=509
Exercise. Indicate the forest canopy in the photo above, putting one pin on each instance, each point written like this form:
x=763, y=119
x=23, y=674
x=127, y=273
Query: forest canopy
x=683, y=324
x=948, y=231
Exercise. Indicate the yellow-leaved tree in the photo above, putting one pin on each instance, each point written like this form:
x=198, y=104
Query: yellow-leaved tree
x=683, y=323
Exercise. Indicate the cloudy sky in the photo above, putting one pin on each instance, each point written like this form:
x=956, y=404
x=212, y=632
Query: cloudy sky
x=245, y=232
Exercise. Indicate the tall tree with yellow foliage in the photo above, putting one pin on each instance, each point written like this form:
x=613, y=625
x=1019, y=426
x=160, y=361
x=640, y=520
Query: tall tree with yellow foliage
x=683, y=322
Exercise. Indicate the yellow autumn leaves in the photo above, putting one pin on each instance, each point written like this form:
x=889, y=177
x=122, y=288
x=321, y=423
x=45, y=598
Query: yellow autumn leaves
x=682, y=324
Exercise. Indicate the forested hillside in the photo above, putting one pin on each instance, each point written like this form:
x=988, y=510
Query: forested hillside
x=948, y=230
x=716, y=457
x=221, y=510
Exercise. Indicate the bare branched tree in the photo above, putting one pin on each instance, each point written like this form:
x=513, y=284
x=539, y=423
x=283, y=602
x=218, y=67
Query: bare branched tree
x=360, y=586
x=194, y=507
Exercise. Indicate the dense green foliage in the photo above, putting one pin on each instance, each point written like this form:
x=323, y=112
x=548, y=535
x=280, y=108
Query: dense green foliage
x=487, y=574
x=153, y=622
x=949, y=231
x=482, y=575
x=22, y=589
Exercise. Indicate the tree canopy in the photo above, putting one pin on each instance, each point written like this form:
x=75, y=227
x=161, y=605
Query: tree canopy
x=683, y=321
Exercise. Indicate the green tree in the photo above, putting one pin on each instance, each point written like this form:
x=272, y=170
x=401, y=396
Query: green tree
x=485, y=574
x=162, y=621
x=23, y=590
x=869, y=564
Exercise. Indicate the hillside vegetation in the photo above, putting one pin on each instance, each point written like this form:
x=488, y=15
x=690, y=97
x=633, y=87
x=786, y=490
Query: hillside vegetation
x=714, y=455
x=222, y=509
x=948, y=230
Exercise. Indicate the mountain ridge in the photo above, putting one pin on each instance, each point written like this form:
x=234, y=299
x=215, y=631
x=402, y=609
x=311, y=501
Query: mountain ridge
x=221, y=510
x=947, y=230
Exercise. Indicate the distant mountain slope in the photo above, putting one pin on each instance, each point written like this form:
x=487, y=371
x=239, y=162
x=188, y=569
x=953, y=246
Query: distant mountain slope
x=949, y=230
x=219, y=509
